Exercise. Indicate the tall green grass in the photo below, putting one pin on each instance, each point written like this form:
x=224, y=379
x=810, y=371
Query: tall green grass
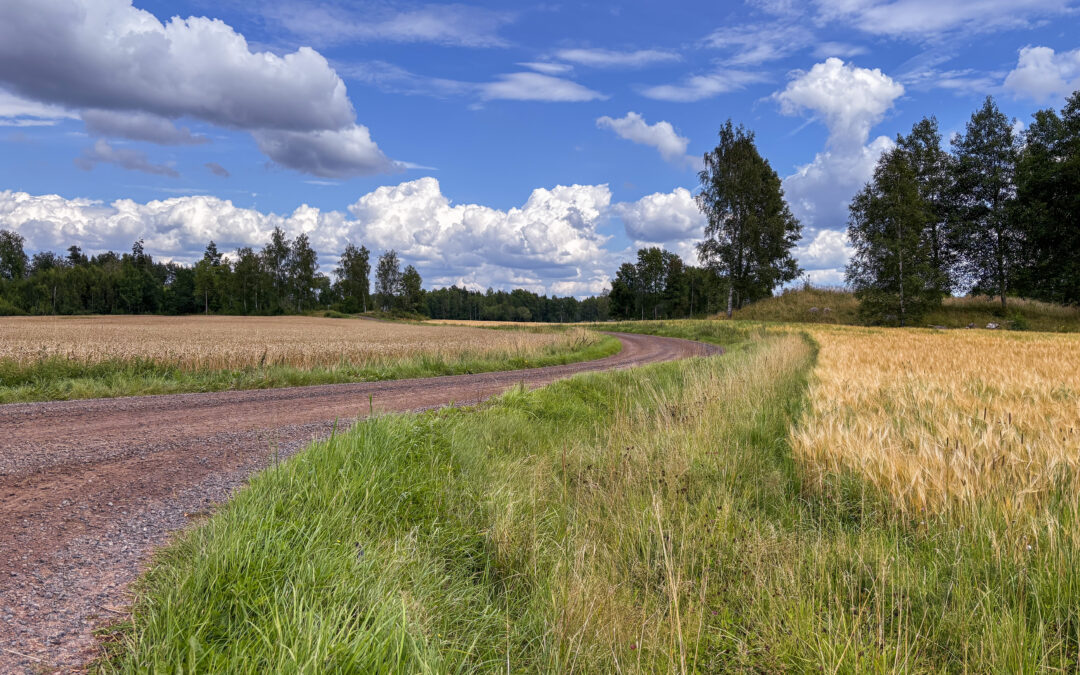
x=57, y=378
x=650, y=520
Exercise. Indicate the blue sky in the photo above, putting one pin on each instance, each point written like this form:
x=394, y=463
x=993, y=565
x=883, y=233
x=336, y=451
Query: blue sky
x=491, y=144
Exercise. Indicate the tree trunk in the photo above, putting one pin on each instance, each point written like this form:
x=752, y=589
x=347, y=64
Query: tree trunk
x=206, y=302
x=730, y=297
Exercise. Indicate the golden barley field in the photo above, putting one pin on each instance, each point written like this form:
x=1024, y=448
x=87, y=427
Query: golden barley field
x=939, y=418
x=225, y=342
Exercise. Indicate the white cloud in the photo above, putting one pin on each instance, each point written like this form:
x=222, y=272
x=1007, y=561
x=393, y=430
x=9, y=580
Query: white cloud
x=109, y=55
x=133, y=160
x=829, y=249
x=661, y=135
x=139, y=126
x=547, y=68
x=756, y=44
x=537, y=87
x=448, y=24
x=607, y=58
x=551, y=243
x=700, y=87
x=542, y=85
x=960, y=81
x=669, y=219
x=16, y=111
x=1043, y=75
x=824, y=257
x=850, y=99
x=924, y=19
x=819, y=192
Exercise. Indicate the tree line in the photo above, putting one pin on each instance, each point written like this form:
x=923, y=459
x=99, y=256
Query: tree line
x=283, y=277
x=997, y=215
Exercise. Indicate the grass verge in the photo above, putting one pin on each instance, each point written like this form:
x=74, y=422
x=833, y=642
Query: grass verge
x=58, y=378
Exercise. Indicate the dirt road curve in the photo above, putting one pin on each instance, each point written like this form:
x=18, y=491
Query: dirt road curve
x=87, y=488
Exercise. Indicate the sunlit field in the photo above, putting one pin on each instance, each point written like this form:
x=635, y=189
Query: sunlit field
x=235, y=342
x=936, y=418
x=43, y=358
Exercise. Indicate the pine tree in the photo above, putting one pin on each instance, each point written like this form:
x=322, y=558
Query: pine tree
x=990, y=241
x=750, y=231
x=892, y=271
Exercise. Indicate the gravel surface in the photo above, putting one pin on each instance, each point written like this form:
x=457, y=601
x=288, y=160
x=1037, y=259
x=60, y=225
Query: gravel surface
x=89, y=488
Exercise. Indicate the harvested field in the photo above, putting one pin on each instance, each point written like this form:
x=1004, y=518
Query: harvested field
x=220, y=342
x=944, y=417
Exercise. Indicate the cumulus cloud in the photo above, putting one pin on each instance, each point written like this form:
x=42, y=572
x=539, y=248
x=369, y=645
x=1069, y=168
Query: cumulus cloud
x=1043, y=75
x=851, y=100
x=551, y=243
x=700, y=87
x=924, y=19
x=217, y=169
x=109, y=55
x=819, y=192
x=669, y=219
x=661, y=135
x=608, y=58
x=138, y=126
x=134, y=160
x=828, y=250
x=529, y=86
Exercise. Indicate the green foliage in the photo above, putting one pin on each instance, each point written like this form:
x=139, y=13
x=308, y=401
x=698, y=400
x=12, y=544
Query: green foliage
x=13, y=260
x=932, y=166
x=984, y=175
x=1048, y=205
x=750, y=232
x=892, y=269
x=353, y=273
x=517, y=305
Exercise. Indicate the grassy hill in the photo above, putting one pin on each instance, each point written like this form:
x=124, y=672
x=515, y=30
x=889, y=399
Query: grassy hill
x=834, y=306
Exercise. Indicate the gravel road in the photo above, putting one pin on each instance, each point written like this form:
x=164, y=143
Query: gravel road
x=89, y=488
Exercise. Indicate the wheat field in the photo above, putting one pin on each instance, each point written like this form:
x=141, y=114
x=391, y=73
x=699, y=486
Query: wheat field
x=224, y=342
x=939, y=418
